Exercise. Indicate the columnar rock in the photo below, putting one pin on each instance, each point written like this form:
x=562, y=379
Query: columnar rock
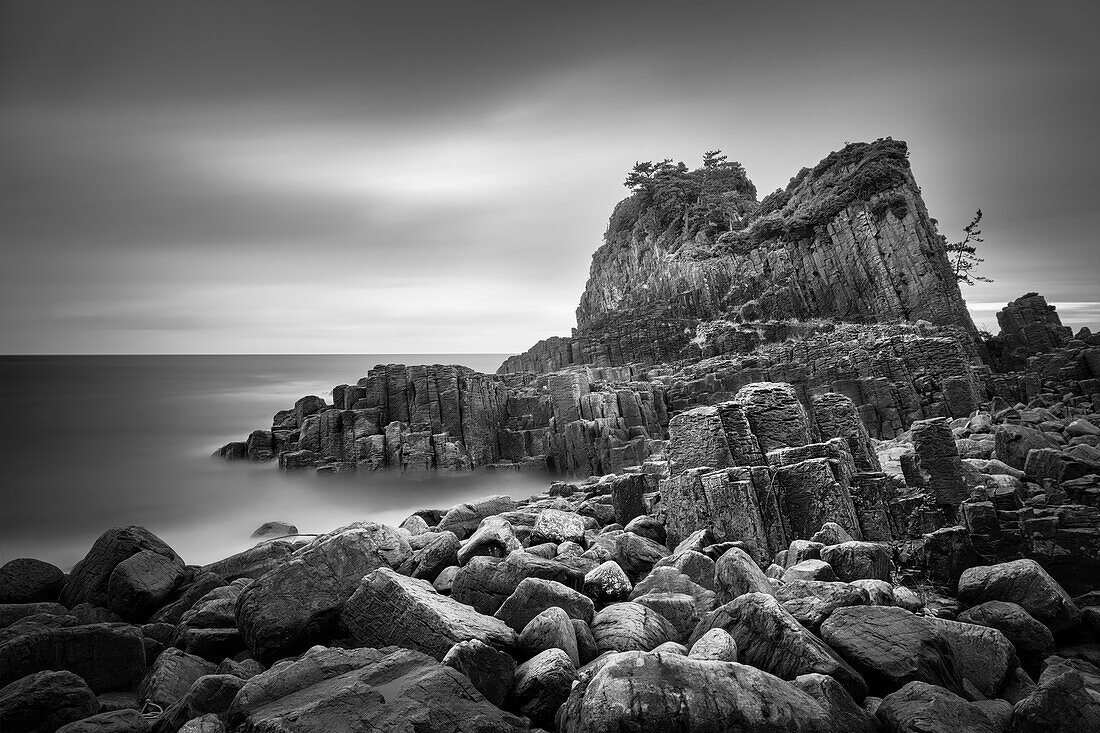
x=696, y=439
x=812, y=492
x=939, y=462
x=389, y=608
x=1029, y=325
x=836, y=417
x=738, y=503
x=777, y=418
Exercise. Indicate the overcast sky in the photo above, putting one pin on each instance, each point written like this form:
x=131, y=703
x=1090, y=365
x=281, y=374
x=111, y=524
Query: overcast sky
x=410, y=177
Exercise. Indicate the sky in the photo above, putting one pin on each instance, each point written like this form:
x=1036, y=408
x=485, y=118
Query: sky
x=361, y=177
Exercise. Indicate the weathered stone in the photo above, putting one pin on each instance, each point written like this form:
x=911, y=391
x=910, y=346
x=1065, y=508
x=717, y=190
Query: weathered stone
x=491, y=671
x=45, y=701
x=770, y=638
x=389, y=608
x=984, y=656
x=716, y=645
x=858, y=560
x=486, y=582
x=837, y=417
x=534, y=595
x=736, y=573
x=630, y=626
x=297, y=604
x=88, y=581
x=171, y=676
x=542, y=684
x=494, y=537
x=626, y=497
x=946, y=553
x=890, y=647
x=438, y=553
x=140, y=584
x=1014, y=442
x=939, y=461
x=25, y=580
x=551, y=629
x=212, y=693
x=777, y=418
x=845, y=713
x=918, y=707
x=1027, y=635
x=463, y=519
x=114, y=721
x=678, y=608
x=649, y=527
x=1061, y=704
x=696, y=439
x=812, y=601
x=607, y=583
x=636, y=554
x=554, y=525
x=253, y=562
x=667, y=579
x=809, y=570
x=107, y=656
x=1023, y=582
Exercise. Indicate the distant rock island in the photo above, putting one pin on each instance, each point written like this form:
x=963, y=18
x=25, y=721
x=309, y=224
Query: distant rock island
x=790, y=487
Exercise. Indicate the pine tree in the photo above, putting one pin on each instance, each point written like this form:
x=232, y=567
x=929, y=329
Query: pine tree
x=962, y=254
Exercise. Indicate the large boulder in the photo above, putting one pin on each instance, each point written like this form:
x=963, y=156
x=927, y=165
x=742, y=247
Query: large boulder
x=212, y=693
x=297, y=604
x=771, y=639
x=171, y=675
x=45, y=701
x=812, y=601
x=845, y=712
x=107, y=656
x=891, y=647
x=667, y=579
x=736, y=573
x=1014, y=442
x=607, y=583
x=534, y=595
x=631, y=626
x=112, y=721
x=984, y=656
x=1025, y=583
x=554, y=525
x=88, y=581
x=485, y=582
x=542, y=684
x=494, y=537
x=253, y=562
x=1061, y=704
x=858, y=560
x=1028, y=636
x=385, y=689
x=463, y=519
x=919, y=707
x=490, y=670
x=438, y=552
x=141, y=583
x=26, y=580
x=636, y=691
x=389, y=608
x=551, y=629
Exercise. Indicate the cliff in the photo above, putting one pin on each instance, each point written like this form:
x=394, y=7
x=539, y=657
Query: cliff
x=849, y=240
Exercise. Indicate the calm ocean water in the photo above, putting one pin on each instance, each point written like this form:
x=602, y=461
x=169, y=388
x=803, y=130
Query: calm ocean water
x=92, y=442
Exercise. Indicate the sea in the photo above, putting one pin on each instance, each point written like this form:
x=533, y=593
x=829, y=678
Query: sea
x=93, y=442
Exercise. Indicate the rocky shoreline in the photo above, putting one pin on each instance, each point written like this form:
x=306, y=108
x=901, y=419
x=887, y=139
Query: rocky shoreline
x=790, y=487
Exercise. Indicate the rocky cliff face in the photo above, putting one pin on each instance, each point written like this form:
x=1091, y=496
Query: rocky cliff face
x=849, y=240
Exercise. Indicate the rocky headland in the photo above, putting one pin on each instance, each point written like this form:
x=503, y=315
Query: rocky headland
x=790, y=487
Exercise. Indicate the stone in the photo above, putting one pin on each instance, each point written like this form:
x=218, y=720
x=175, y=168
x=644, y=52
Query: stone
x=486, y=582
x=45, y=701
x=858, y=560
x=209, y=723
x=463, y=519
x=678, y=608
x=171, y=675
x=939, y=461
x=637, y=555
x=771, y=639
x=696, y=439
x=984, y=656
x=494, y=537
x=438, y=553
x=607, y=583
x=736, y=573
x=542, y=684
x=534, y=595
x=88, y=581
x=890, y=647
x=1023, y=582
x=389, y=608
x=1028, y=636
x=649, y=527
x=812, y=601
x=114, y=721
x=716, y=645
x=918, y=707
x=274, y=529
x=297, y=604
x=809, y=570
x=586, y=643
x=630, y=626
x=212, y=693
x=141, y=583
x=1061, y=704
x=667, y=579
x=1014, y=442
x=831, y=533
x=879, y=592
x=946, y=553
x=10, y=613
x=848, y=716
x=491, y=671
x=661, y=691
x=106, y=656
x=186, y=597
x=777, y=418
x=253, y=562
x=26, y=580
x=626, y=497
x=554, y=525
x=551, y=629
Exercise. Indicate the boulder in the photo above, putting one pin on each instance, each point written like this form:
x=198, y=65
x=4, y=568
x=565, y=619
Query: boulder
x=366, y=689
x=919, y=707
x=648, y=527
x=542, y=684
x=494, y=537
x=45, y=701
x=26, y=580
x=534, y=595
x=984, y=656
x=809, y=570
x=879, y=592
x=88, y=581
x=485, y=582
x=607, y=583
x=858, y=560
x=253, y=562
x=678, y=608
x=771, y=639
x=171, y=675
x=186, y=597
x=551, y=629
x=1028, y=636
x=209, y=723
x=440, y=551
x=275, y=529
x=491, y=671
x=141, y=583
x=114, y=721
x=107, y=656
x=554, y=525
x=1014, y=442
x=777, y=418
x=212, y=693
x=845, y=712
x=630, y=626
x=1025, y=583
x=636, y=691
x=812, y=601
x=736, y=573
x=626, y=497
x=1061, y=704
x=637, y=555
x=297, y=604
x=389, y=608
x=890, y=647
x=13, y=612
x=667, y=579
x=463, y=519
x=716, y=646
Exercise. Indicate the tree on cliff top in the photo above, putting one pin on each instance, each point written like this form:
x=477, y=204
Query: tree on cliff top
x=963, y=254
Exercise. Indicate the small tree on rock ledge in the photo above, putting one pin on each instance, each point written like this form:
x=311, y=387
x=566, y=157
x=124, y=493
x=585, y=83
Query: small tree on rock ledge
x=962, y=255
